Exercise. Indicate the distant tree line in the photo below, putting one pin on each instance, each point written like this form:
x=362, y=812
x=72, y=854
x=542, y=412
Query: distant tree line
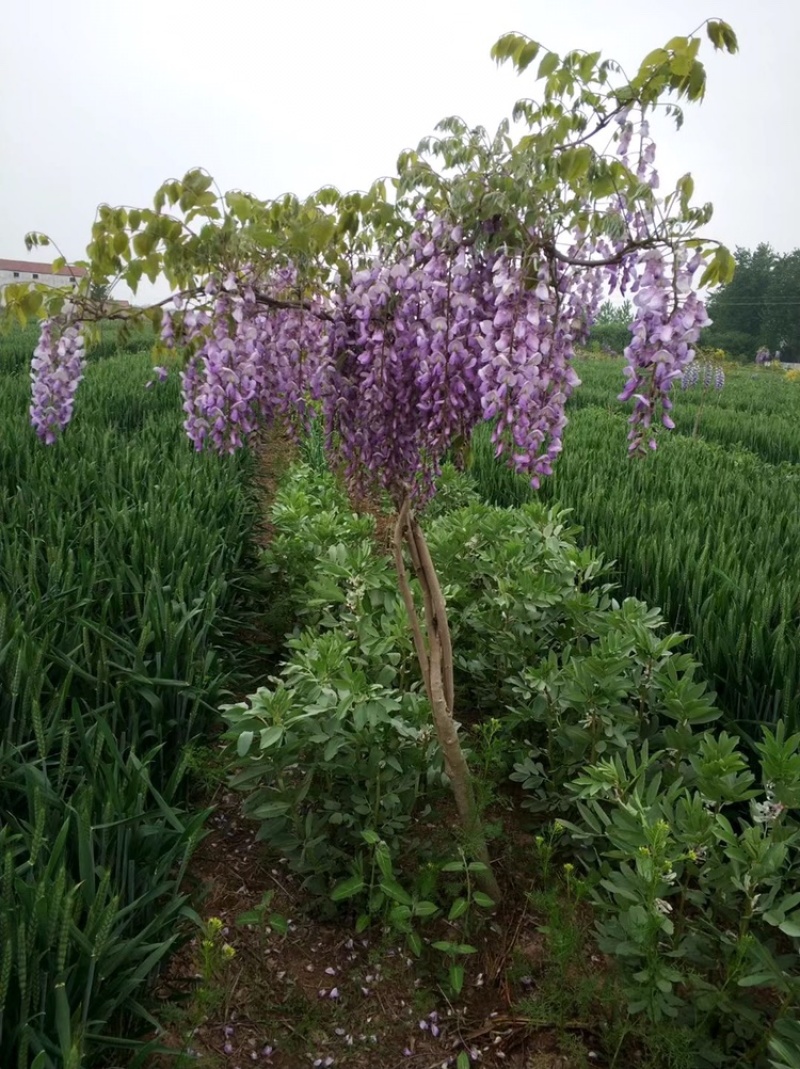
x=611, y=330
x=760, y=306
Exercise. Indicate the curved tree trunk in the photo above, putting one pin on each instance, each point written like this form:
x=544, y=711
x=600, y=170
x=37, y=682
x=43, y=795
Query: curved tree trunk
x=436, y=664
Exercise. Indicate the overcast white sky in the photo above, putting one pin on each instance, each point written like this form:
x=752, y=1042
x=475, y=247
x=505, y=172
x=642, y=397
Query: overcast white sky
x=103, y=99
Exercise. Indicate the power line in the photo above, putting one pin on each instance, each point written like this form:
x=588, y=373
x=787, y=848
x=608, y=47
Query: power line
x=782, y=303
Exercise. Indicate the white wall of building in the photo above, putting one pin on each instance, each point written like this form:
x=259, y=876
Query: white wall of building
x=11, y=277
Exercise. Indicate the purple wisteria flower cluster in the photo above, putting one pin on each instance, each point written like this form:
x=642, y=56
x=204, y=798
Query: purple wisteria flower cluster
x=669, y=318
x=405, y=354
x=251, y=363
x=706, y=373
x=526, y=377
x=56, y=371
x=445, y=336
x=668, y=313
x=443, y=330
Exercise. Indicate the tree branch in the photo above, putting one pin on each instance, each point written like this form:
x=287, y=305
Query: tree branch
x=298, y=306
x=408, y=597
x=87, y=304
x=574, y=261
x=439, y=610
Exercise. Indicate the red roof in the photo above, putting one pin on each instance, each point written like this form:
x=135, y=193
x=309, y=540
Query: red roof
x=39, y=269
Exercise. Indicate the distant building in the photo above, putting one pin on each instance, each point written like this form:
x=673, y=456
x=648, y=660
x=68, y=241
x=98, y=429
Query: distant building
x=16, y=271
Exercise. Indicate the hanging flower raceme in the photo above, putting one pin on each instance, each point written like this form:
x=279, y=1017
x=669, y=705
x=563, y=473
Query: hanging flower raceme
x=292, y=343
x=56, y=371
x=668, y=314
x=690, y=377
x=252, y=362
x=371, y=396
x=710, y=373
x=667, y=325
x=405, y=350
x=221, y=385
x=526, y=375
x=425, y=347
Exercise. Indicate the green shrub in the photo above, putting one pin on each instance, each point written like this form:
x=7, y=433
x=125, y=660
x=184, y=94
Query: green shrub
x=691, y=858
x=698, y=862
x=331, y=749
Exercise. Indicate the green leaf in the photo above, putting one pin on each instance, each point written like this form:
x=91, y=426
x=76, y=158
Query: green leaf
x=654, y=59
x=152, y=266
x=686, y=187
x=714, y=31
x=454, y=948
x=458, y=909
x=526, y=55
x=550, y=61
x=347, y=889
x=244, y=742
x=331, y=750
x=144, y=243
x=384, y=860
x=729, y=38
x=270, y=810
x=681, y=65
x=456, y=974
x=453, y=866
x=483, y=899
x=62, y=1017
x=393, y=890
x=399, y=917
x=722, y=36
x=757, y=979
x=278, y=923
x=791, y=927
x=425, y=909
x=414, y=942
x=133, y=274
x=270, y=736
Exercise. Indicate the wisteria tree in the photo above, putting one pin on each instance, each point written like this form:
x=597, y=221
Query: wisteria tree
x=452, y=294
